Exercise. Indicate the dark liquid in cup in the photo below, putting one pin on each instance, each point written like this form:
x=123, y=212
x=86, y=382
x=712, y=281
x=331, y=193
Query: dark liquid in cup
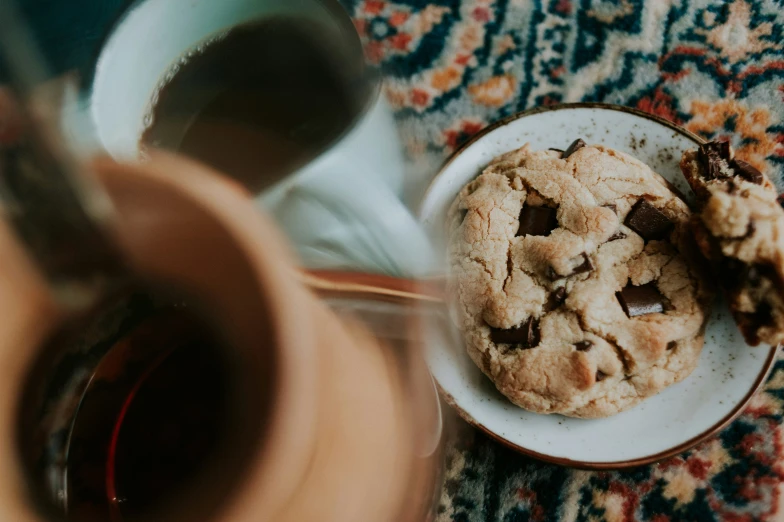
x=263, y=100
x=152, y=417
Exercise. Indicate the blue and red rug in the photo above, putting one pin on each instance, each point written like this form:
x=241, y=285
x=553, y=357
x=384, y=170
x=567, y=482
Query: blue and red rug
x=716, y=68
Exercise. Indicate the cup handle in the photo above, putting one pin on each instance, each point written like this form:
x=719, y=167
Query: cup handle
x=354, y=223
x=371, y=149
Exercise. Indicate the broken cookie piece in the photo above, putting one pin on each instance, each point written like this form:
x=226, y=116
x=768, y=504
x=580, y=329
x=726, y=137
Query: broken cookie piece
x=740, y=229
x=583, y=346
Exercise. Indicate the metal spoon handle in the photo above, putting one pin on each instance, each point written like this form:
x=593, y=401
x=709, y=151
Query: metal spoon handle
x=375, y=286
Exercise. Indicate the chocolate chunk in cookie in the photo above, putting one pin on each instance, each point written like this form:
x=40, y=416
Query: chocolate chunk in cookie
x=648, y=221
x=747, y=171
x=750, y=229
x=755, y=275
x=759, y=275
x=585, y=266
x=716, y=148
x=751, y=323
x=574, y=147
x=735, y=274
x=711, y=155
x=555, y=299
x=583, y=346
x=525, y=335
x=537, y=221
x=640, y=300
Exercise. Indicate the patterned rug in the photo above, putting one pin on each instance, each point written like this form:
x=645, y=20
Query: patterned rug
x=456, y=65
x=715, y=67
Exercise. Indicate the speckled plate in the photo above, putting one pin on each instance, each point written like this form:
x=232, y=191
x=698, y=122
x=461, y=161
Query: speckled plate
x=729, y=372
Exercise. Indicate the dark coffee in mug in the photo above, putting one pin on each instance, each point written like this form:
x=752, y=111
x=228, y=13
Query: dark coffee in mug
x=261, y=100
x=135, y=412
x=149, y=420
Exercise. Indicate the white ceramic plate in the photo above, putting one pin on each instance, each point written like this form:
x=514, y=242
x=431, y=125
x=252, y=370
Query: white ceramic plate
x=729, y=372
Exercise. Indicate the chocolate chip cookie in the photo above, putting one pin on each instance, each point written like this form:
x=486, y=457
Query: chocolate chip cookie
x=740, y=228
x=572, y=280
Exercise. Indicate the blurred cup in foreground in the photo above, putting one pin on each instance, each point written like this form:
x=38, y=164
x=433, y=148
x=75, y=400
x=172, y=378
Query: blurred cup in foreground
x=216, y=387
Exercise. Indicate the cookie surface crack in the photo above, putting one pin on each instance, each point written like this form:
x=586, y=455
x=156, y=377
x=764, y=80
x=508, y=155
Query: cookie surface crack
x=623, y=356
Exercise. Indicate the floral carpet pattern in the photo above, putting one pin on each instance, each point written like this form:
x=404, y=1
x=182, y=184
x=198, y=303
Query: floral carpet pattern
x=717, y=68
x=454, y=66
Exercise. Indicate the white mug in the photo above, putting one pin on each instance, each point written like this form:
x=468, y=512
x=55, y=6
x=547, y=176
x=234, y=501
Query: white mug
x=365, y=166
